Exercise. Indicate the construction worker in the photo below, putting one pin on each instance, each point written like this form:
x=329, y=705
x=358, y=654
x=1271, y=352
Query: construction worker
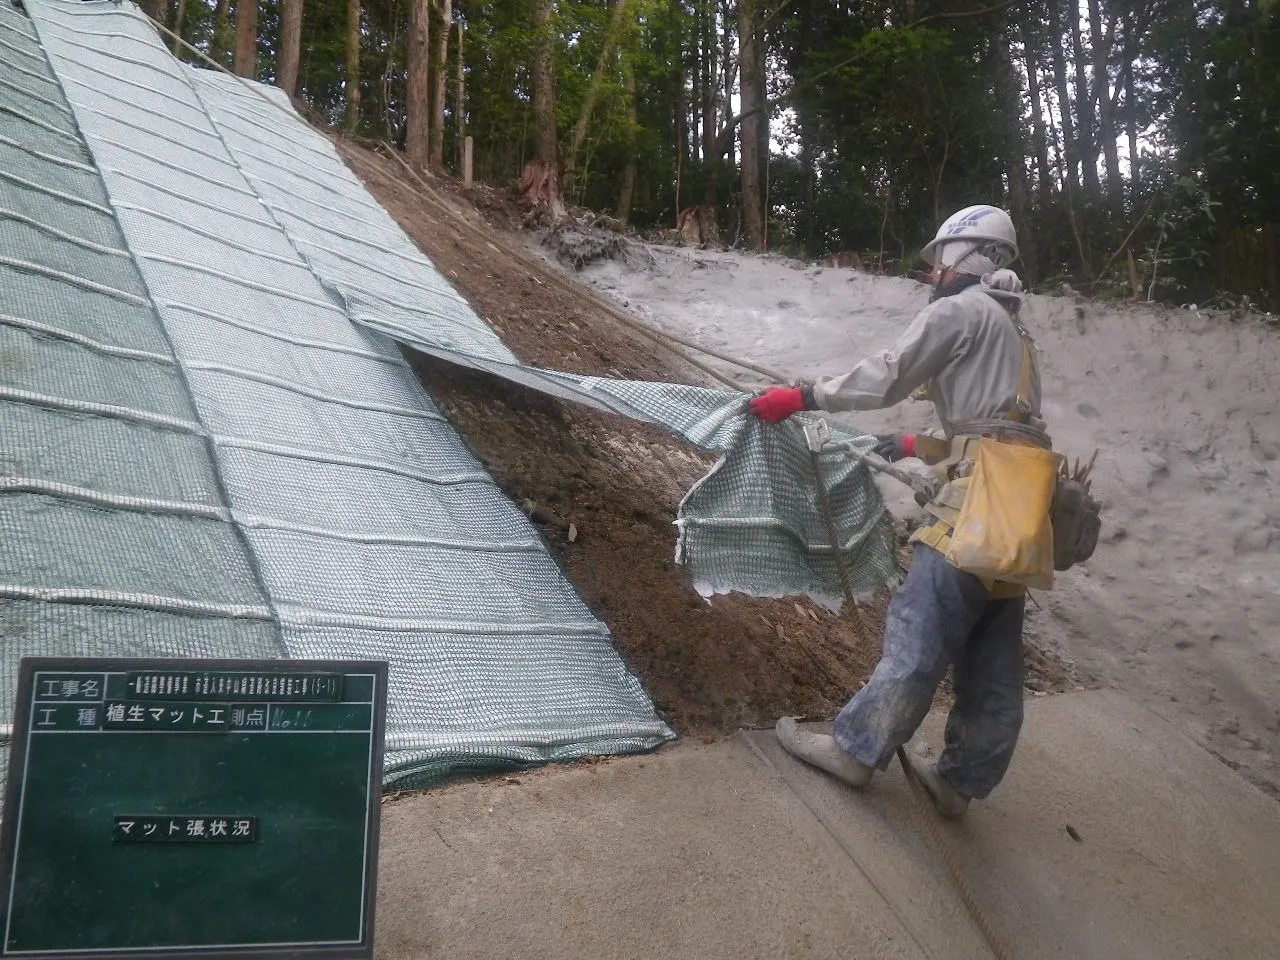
x=968, y=351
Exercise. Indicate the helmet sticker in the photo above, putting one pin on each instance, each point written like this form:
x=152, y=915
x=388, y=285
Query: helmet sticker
x=968, y=223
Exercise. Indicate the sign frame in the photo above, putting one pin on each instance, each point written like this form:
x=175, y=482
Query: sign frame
x=17, y=769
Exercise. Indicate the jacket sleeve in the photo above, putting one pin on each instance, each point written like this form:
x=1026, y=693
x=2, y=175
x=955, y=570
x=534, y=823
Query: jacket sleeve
x=936, y=336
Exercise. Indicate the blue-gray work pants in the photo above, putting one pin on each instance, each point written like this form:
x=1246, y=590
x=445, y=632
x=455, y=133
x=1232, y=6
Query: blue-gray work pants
x=943, y=617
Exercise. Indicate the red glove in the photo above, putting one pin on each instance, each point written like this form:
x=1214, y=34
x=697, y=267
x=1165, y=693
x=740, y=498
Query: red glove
x=778, y=403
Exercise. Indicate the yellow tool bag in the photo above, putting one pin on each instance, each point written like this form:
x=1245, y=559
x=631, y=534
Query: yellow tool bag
x=1005, y=528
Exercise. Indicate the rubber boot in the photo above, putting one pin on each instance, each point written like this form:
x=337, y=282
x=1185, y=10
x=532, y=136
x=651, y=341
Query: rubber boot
x=822, y=751
x=951, y=803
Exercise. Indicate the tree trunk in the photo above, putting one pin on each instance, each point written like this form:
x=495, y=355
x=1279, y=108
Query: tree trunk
x=440, y=83
x=353, y=64
x=1106, y=115
x=679, y=123
x=460, y=98
x=178, y=17
x=1084, y=110
x=1040, y=142
x=1007, y=86
x=1135, y=156
x=417, y=102
x=708, y=77
x=695, y=82
x=1131, y=111
x=1070, y=146
x=290, y=45
x=751, y=97
x=626, y=188
x=728, y=70
x=544, y=90
x=762, y=131
x=1271, y=256
x=711, y=195
x=597, y=80
x=246, y=38
x=541, y=182
x=218, y=49
x=722, y=143
x=679, y=152
x=155, y=9
x=808, y=162
x=1055, y=143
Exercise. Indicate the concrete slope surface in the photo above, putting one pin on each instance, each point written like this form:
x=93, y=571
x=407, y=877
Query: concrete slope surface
x=736, y=850
x=696, y=851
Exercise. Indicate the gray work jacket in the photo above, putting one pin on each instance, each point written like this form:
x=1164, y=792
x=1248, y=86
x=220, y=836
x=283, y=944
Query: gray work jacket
x=967, y=349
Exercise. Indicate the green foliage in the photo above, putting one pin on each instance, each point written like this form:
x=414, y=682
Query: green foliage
x=1177, y=249
x=1219, y=93
x=906, y=128
x=322, y=66
x=885, y=116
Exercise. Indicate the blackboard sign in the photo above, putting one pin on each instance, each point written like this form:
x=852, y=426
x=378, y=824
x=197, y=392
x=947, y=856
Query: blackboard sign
x=212, y=808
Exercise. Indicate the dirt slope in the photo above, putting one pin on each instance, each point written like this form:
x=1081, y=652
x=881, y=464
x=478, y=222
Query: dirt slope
x=710, y=667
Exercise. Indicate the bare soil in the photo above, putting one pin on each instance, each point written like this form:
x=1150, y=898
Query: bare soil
x=710, y=667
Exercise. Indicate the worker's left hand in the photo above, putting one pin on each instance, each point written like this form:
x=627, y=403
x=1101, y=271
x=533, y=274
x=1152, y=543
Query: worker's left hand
x=894, y=446
x=778, y=403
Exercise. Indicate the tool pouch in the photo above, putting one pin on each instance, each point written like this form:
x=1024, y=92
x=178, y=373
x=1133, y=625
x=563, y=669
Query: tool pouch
x=1076, y=523
x=1004, y=530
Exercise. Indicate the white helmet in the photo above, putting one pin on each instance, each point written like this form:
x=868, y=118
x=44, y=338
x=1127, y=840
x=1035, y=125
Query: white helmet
x=982, y=228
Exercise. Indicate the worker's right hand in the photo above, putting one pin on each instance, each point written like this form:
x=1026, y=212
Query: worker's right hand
x=894, y=446
x=778, y=403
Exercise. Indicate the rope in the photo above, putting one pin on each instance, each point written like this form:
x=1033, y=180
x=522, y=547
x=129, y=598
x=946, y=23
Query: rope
x=144, y=601
x=110, y=349
x=924, y=809
x=922, y=805
x=34, y=224
x=119, y=501
x=824, y=505
x=110, y=410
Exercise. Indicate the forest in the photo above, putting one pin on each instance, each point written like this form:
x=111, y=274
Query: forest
x=1135, y=142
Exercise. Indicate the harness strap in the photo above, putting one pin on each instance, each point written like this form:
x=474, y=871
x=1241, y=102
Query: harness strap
x=1021, y=411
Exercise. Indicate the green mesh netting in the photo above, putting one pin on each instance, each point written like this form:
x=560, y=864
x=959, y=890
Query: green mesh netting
x=216, y=449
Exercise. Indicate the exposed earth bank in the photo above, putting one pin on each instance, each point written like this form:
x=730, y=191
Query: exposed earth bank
x=604, y=490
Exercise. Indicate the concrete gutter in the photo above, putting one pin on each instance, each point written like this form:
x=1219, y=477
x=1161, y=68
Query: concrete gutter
x=734, y=850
